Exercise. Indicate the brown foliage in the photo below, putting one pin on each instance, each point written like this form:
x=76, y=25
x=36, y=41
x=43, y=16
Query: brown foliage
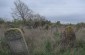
x=68, y=38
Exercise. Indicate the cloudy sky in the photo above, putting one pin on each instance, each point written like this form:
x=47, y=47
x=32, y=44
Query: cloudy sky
x=66, y=11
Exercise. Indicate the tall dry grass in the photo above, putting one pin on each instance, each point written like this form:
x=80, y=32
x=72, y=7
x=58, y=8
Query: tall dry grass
x=37, y=39
x=47, y=42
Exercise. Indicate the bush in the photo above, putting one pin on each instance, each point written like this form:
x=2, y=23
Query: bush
x=2, y=21
x=68, y=37
x=4, y=49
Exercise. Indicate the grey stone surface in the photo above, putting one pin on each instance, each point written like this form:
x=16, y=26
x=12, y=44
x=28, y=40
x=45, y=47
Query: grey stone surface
x=16, y=41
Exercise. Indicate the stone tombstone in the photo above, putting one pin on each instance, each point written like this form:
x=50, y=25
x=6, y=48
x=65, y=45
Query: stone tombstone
x=81, y=34
x=16, y=41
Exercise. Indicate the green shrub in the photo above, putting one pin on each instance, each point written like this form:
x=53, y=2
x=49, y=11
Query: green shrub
x=4, y=49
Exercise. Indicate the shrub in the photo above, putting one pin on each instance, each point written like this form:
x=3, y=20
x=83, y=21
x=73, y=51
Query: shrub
x=4, y=49
x=2, y=21
x=68, y=37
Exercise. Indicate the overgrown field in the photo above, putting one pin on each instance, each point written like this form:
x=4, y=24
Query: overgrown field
x=47, y=42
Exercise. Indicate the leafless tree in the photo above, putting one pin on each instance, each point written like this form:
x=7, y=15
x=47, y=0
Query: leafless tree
x=21, y=11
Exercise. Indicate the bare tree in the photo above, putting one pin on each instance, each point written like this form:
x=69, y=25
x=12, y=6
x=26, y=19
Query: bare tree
x=21, y=11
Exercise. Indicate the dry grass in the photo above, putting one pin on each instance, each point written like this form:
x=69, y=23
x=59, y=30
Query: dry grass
x=39, y=39
x=36, y=38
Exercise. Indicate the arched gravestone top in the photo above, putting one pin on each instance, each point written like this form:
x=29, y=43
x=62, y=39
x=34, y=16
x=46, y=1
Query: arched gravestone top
x=16, y=41
x=13, y=34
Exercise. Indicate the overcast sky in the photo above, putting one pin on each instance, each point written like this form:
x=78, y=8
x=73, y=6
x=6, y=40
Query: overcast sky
x=66, y=11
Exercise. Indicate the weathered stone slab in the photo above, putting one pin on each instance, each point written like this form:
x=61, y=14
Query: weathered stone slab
x=16, y=41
